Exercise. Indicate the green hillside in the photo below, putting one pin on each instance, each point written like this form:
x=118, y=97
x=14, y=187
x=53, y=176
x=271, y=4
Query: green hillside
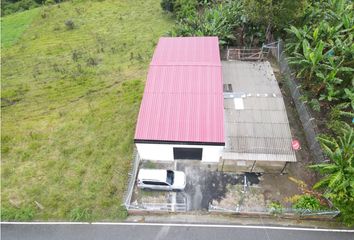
x=14, y=25
x=72, y=80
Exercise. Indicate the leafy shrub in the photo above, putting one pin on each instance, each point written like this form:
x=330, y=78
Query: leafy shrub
x=69, y=24
x=218, y=20
x=167, y=5
x=274, y=14
x=92, y=61
x=315, y=105
x=307, y=202
x=9, y=7
x=322, y=50
x=13, y=6
x=49, y=2
x=185, y=8
x=276, y=208
x=337, y=114
x=338, y=173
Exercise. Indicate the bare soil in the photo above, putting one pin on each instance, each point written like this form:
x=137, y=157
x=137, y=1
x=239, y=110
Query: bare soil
x=298, y=170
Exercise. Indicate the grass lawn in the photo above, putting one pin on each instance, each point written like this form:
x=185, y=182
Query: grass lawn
x=14, y=25
x=70, y=98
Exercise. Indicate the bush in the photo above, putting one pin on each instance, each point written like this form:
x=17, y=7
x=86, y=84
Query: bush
x=307, y=202
x=49, y=2
x=321, y=50
x=338, y=173
x=13, y=6
x=185, y=9
x=274, y=14
x=218, y=20
x=9, y=7
x=69, y=24
x=276, y=208
x=167, y=5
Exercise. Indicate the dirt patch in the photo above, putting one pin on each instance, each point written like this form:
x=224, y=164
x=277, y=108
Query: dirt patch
x=299, y=170
x=237, y=199
x=257, y=197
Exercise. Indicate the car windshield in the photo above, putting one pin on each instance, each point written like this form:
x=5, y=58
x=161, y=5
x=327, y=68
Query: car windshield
x=170, y=177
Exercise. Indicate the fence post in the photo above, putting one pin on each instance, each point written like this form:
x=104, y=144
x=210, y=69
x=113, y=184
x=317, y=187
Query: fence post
x=278, y=48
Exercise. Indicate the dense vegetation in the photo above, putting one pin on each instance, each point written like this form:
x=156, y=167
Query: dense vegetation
x=339, y=173
x=321, y=52
x=13, y=6
x=319, y=43
x=243, y=22
x=72, y=79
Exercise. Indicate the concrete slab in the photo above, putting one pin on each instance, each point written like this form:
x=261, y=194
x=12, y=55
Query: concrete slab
x=260, y=126
x=205, y=185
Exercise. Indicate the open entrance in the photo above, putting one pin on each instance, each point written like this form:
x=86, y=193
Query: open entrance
x=188, y=153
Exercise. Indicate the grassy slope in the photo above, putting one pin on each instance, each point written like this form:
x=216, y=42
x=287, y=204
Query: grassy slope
x=70, y=101
x=13, y=26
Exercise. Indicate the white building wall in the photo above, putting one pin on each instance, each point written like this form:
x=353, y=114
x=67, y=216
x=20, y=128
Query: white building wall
x=164, y=152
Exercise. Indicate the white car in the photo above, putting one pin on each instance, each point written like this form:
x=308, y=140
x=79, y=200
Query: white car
x=160, y=179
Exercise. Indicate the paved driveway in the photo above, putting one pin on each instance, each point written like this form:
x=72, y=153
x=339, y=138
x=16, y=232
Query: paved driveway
x=205, y=185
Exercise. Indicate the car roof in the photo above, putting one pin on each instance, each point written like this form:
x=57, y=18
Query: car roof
x=153, y=174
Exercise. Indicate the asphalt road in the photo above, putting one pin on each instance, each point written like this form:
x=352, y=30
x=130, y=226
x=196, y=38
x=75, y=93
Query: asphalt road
x=131, y=231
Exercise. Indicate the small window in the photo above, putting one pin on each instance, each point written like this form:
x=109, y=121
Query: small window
x=155, y=183
x=170, y=177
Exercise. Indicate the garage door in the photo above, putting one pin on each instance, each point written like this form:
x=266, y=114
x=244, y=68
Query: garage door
x=188, y=153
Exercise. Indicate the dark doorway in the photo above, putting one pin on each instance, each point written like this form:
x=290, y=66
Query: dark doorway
x=188, y=153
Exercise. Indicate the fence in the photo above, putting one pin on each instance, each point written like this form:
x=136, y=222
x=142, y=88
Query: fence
x=157, y=207
x=244, y=54
x=131, y=181
x=177, y=204
x=308, y=123
x=283, y=212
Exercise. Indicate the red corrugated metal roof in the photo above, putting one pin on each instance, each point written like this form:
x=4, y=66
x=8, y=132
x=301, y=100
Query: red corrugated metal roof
x=183, y=97
x=187, y=51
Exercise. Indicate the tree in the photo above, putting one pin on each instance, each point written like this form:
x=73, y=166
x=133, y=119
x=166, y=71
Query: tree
x=274, y=14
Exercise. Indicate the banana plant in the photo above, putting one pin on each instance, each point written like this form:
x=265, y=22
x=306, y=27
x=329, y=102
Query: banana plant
x=309, y=62
x=299, y=35
x=349, y=93
x=331, y=82
x=338, y=173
